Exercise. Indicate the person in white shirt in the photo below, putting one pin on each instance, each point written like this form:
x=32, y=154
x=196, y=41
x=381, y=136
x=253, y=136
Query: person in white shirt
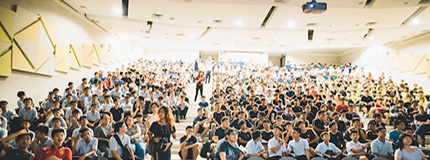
x=299, y=146
x=127, y=105
x=356, y=149
x=254, y=148
x=327, y=149
x=276, y=145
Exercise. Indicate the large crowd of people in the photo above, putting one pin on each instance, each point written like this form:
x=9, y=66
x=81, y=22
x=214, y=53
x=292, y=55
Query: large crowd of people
x=254, y=110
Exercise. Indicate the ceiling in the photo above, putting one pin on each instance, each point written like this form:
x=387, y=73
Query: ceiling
x=182, y=23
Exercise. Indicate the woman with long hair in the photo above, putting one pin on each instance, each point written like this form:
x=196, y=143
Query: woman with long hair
x=134, y=132
x=406, y=151
x=160, y=132
x=200, y=80
x=153, y=108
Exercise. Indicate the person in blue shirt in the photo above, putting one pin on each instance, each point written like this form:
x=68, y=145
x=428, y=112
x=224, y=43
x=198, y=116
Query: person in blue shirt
x=395, y=134
x=203, y=104
x=198, y=124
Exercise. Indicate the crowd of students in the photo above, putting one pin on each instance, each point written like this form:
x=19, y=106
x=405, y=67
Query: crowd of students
x=310, y=110
x=302, y=111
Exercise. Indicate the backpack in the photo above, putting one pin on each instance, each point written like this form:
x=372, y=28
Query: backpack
x=126, y=155
x=206, y=148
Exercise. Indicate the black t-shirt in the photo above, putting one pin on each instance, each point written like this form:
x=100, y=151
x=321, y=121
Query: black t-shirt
x=16, y=154
x=337, y=140
x=253, y=114
x=319, y=124
x=191, y=141
x=161, y=131
x=308, y=134
x=367, y=99
x=371, y=136
x=266, y=135
x=422, y=118
x=272, y=115
x=220, y=133
x=246, y=136
x=360, y=139
x=341, y=126
x=231, y=152
x=116, y=113
x=218, y=116
x=235, y=123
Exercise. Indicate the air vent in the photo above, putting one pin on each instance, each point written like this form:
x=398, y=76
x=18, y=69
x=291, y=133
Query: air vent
x=369, y=3
x=310, y=34
x=424, y=2
x=217, y=21
x=268, y=16
x=283, y=45
x=371, y=23
x=311, y=24
x=281, y=1
x=180, y=34
x=329, y=39
x=156, y=15
x=256, y=38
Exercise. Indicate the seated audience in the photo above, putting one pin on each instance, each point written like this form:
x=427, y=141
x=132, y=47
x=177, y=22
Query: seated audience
x=381, y=147
x=254, y=147
x=189, y=145
x=406, y=151
x=327, y=149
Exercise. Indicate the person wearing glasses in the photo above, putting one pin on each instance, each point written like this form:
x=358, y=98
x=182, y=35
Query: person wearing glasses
x=189, y=145
x=228, y=149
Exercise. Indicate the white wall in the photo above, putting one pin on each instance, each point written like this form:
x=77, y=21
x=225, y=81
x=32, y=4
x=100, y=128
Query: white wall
x=300, y=58
x=69, y=29
x=375, y=60
x=171, y=54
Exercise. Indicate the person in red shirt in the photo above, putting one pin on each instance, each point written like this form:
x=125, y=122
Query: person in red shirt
x=341, y=106
x=56, y=151
x=200, y=80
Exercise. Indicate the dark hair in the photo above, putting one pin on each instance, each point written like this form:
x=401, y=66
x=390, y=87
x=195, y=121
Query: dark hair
x=240, y=123
x=20, y=93
x=55, y=131
x=188, y=127
x=224, y=119
x=43, y=129
x=398, y=122
x=380, y=129
x=297, y=129
x=3, y=103
x=76, y=111
x=377, y=115
x=199, y=109
x=266, y=121
x=117, y=126
x=352, y=132
x=299, y=122
x=28, y=99
x=256, y=134
x=324, y=133
x=408, y=128
x=82, y=131
x=229, y=131
x=55, y=119
x=331, y=124
x=83, y=118
x=403, y=136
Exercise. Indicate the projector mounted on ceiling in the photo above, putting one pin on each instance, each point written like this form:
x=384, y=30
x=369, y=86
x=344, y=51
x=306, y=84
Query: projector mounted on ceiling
x=314, y=7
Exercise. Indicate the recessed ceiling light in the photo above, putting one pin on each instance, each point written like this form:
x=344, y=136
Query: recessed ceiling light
x=171, y=18
x=406, y=3
x=415, y=21
x=117, y=11
x=291, y=24
x=199, y=21
x=239, y=23
x=371, y=37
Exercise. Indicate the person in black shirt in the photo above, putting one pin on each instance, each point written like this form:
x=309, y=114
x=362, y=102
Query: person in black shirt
x=318, y=123
x=23, y=140
x=308, y=134
x=309, y=115
x=372, y=134
x=160, y=132
x=377, y=119
x=270, y=113
x=241, y=116
x=422, y=121
x=259, y=123
x=189, y=145
x=244, y=134
x=266, y=133
x=198, y=123
x=366, y=102
x=336, y=137
x=218, y=114
x=220, y=131
x=253, y=113
x=341, y=126
x=117, y=113
x=356, y=126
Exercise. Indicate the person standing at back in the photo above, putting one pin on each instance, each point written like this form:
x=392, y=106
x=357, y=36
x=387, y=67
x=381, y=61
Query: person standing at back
x=200, y=80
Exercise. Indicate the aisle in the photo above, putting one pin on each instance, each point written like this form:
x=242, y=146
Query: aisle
x=192, y=113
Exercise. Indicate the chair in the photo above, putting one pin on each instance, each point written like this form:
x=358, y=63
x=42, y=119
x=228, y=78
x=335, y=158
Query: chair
x=379, y=158
x=255, y=158
x=288, y=158
x=349, y=158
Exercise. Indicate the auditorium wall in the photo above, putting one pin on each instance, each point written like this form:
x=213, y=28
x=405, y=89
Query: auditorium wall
x=65, y=29
x=408, y=60
x=301, y=58
x=171, y=54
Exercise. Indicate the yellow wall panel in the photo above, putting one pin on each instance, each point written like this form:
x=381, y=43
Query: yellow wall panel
x=7, y=19
x=394, y=64
x=74, y=60
x=420, y=64
x=5, y=64
x=23, y=19
x=31, y=33
x=44, y=39
x=428, y=66
x=4, y=47
x=19, y=62
x=405, y=63
x=88, y=54
x=29, y=50
x=48, y=67
x=50, y=30
x=3, y=36
x=97, y=53
x=62, y=59
x=43, y=54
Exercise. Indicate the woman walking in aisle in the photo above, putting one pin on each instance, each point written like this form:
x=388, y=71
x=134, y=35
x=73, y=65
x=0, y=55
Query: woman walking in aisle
x=160, y=132
x=200, y=80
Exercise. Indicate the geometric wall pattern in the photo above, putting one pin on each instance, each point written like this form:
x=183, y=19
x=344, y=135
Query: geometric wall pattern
x=7, y=23
x=63, y=59
x=96, y=60
x=34, y=45
x=87, y=56
x=420, y=66
x=75, y=63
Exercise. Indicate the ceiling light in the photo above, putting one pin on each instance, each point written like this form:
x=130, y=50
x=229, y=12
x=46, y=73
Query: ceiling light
x=415, y=21
x=371, y=37
x=239, y=23
x=291, y=24
x=117, y=11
